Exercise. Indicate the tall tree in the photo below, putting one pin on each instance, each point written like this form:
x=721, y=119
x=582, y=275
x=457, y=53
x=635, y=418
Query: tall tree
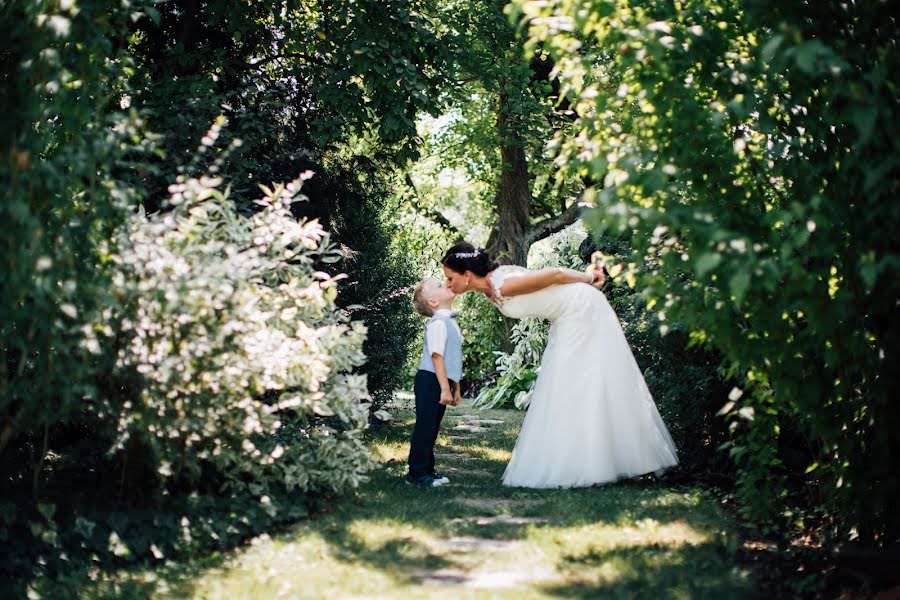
x=507, y=112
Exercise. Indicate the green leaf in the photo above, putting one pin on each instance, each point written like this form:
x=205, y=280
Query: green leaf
x=864, y=118
x=706, y=263
x=807, y=54
x=739, y=284
x=725, y=409
x=47, y=509
x=869, y=274
x=84, y=527
x=771, y=47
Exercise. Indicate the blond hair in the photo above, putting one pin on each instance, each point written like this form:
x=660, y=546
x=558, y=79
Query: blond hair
x=420, y=299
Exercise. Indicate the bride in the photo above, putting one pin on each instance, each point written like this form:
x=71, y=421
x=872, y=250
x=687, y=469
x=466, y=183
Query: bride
x=591, y=419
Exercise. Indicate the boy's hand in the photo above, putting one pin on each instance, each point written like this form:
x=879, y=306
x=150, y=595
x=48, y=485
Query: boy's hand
x=456, y=398
x=446, y=397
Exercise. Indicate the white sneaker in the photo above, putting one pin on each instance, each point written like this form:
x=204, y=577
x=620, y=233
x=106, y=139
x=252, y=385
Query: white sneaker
x=425, y=481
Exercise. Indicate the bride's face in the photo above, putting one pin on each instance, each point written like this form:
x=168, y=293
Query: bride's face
x=455, y=281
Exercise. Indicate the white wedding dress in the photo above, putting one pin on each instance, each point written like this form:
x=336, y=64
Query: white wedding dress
x=591, y=419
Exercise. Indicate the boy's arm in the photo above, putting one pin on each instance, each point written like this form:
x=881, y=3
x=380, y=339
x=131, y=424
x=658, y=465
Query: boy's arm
x=440, y=370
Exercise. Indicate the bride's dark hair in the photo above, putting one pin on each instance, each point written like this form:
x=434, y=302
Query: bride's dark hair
x=463, y=256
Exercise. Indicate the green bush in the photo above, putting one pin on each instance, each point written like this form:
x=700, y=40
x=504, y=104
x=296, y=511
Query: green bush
x=293, y=116
x=352, y=199
x=749, y=147
x=66, y=185
x=229, y=399
x=485, y=333
x=517, y=370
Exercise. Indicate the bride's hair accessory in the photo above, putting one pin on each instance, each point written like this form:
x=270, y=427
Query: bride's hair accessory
x=466, y=254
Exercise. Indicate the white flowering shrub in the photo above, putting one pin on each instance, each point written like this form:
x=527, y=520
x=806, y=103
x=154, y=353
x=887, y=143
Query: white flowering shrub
x=241, y=363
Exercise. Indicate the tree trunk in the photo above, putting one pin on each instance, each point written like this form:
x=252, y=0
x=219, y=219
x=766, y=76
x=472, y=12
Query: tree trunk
x=507, y=241
x=188, y=24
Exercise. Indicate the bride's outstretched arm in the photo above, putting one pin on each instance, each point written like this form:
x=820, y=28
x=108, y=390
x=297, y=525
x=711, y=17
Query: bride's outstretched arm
x=538, y=280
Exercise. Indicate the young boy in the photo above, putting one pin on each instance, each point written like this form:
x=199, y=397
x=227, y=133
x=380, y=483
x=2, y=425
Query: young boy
x=437, y=382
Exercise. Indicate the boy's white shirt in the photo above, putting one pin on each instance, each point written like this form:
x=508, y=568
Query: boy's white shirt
x=436, y=332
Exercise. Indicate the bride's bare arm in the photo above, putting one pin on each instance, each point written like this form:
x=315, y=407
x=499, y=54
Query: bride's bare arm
x=538, y=280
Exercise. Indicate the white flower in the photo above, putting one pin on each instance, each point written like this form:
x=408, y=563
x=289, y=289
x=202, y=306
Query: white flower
x=382, y=415
x=660, y=26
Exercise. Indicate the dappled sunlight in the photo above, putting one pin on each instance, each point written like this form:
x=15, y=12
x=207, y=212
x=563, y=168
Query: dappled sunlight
x=645, y=532
x=385, y=452
x=367, y=557
x=476, y=538
x=674, y=571
x=488, y=453
x=375, y=533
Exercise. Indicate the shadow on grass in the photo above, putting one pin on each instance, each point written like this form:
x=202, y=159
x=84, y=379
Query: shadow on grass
x=430, y=512
x=405, y=533
x=687, y=571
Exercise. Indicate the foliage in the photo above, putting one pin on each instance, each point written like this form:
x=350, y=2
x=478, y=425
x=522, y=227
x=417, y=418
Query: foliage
x=485, y=332
x=380, y=65
x=748, y=153
x=229, y=334
x=228, y=369
x=353, y=198
x=518, y=369
x=320, y=71
x=281, y=86
x=66, y=185
x=143, y=374
x=502, y=125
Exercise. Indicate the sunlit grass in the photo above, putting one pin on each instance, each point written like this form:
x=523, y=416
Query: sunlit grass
x=633, y=539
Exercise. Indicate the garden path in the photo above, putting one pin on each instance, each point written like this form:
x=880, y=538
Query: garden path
x=474, y=538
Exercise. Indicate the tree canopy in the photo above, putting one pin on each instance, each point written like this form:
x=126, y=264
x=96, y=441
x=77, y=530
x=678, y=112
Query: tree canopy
x=739, y=157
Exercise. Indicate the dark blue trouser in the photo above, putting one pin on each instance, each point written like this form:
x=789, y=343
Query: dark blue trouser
x=429, y=412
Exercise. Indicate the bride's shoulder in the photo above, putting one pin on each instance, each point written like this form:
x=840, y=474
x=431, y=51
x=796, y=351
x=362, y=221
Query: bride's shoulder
x=499, y=275
x=504, y=271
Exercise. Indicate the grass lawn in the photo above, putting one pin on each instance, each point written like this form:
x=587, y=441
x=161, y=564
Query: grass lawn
x=475, y=538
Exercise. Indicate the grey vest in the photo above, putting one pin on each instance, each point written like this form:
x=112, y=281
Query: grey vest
x=452, y=351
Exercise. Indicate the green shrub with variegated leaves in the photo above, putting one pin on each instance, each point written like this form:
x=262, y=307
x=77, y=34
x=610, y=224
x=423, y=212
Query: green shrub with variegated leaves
x=228, y=334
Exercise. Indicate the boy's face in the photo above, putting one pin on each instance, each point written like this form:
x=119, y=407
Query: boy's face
x=437, y=294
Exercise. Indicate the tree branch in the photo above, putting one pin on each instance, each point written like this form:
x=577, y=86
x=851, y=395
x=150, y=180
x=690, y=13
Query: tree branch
x=548, y=227
x=430, y=213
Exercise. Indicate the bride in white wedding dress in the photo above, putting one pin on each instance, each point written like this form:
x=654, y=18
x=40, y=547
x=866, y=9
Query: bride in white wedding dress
x=591, y=419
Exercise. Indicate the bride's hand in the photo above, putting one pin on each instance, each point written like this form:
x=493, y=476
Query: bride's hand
x=597, y=277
